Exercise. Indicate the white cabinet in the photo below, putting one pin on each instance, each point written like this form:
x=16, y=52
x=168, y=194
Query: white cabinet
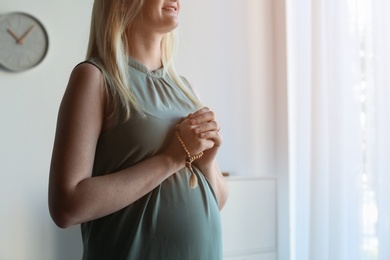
x=249, y=219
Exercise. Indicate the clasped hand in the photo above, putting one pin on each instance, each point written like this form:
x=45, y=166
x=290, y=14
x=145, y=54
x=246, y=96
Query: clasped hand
x=200, y=133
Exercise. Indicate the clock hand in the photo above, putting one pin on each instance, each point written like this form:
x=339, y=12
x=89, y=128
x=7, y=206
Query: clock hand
x=21, y=39
x=13, y=35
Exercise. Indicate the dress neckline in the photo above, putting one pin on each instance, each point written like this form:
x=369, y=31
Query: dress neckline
x=158, y=73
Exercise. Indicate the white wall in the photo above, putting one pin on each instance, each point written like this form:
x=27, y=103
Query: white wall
x=28, y=109
x=226, y=51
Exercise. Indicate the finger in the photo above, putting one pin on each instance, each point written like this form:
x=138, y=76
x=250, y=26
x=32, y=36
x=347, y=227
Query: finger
x=204, y=117
x=203, y=114
x=215, y=136
x=199, y=112
x=192, y=141
x=185, y=126
x=204, y=127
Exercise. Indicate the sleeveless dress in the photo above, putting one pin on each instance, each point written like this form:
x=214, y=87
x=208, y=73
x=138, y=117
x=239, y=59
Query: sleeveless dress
x=173, y=221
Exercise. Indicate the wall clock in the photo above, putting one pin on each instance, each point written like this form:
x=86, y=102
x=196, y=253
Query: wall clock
x=23, y=41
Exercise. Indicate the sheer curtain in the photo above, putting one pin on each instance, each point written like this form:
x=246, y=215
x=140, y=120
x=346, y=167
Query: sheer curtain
x=339, y=126
x=378, y=92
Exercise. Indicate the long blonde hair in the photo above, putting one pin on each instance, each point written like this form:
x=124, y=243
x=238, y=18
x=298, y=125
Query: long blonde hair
x=108, y=43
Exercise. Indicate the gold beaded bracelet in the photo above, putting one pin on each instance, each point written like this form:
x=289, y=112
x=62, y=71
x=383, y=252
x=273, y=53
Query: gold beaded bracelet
x=189, y=160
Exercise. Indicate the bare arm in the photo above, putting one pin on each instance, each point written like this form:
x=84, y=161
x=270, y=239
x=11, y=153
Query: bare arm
x=217, y=181
x=74, y=195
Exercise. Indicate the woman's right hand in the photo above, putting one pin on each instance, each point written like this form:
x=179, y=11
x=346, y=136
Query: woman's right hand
x=194, y=144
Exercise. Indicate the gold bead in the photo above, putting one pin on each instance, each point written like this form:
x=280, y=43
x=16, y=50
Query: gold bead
x=189, y=160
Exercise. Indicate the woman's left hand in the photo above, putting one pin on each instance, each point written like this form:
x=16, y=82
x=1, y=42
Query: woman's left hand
x=206, y=126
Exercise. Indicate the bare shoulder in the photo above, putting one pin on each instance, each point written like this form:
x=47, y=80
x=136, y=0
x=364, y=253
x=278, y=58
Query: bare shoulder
x=86, y=81
x=88, y=68
x=87, y=73
x=84, y=97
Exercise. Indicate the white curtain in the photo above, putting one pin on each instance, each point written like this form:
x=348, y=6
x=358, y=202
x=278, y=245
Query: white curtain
x=338, y=63
x=379, y=124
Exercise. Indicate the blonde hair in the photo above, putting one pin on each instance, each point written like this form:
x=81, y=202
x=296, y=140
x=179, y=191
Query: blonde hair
x=108, y=43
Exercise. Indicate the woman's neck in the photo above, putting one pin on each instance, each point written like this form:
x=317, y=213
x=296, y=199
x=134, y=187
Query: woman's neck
x=146, y=48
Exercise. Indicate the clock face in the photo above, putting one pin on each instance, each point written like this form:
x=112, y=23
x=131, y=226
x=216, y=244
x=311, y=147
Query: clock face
x=23, y=41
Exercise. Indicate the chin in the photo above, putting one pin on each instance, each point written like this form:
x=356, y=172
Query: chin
x=171, y=27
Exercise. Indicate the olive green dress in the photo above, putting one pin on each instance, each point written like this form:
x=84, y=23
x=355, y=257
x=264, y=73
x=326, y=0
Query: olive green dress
x=172, y=221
